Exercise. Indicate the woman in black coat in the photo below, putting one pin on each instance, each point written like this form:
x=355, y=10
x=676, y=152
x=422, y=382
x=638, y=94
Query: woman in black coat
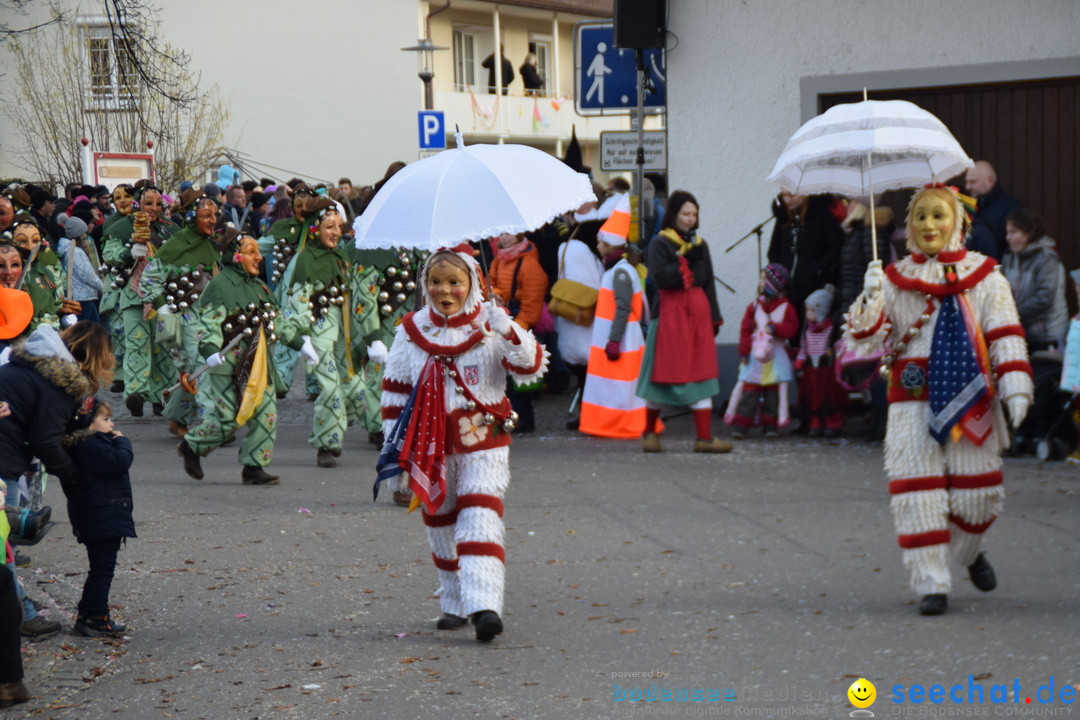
x=806, y=240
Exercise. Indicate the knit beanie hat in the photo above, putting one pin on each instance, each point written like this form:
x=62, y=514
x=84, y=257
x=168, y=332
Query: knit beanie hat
x=820, y=301
x=776, y=278
x=74, y=228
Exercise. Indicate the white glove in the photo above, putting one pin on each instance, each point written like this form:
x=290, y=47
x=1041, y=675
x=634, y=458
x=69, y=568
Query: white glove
x=1018, y=406
x=874, y=279
x=138, y=251
x=69, y=320
x=308, y=351
x=377, y=352
x=214, y=360
x=164, y=310
x=500, y=320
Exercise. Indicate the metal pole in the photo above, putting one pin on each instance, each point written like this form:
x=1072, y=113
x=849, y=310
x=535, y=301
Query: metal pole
x=640, y=174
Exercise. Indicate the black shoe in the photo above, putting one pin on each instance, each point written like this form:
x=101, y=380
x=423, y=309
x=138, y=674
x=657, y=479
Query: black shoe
x=13, y=693
x=192, y=463
x=488, y=625
x=282, y=394
x=325, y=458
x=134, y=405
x=157, y=408
x=98, y=627
x=934, y=605
x=255, y=475
x=39, y=628
x=982, y=574
x=336, y=452
x=376, y=438
x=117, y=386
x=450, y=622
x=573, y=424
x=22, y=561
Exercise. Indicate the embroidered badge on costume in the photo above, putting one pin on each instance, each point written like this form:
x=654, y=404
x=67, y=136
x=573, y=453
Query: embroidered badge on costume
x=471, y=373
x=913, y=378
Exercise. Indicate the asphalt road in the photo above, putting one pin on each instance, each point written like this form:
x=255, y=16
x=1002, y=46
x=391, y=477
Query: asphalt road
x=762, y=582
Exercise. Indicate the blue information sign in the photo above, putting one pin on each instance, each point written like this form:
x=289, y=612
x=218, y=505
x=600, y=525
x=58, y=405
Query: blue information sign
x=605, y=76
x=431, y=125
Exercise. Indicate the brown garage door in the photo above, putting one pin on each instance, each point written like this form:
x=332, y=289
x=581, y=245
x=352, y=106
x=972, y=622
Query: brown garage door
x=1029, y=131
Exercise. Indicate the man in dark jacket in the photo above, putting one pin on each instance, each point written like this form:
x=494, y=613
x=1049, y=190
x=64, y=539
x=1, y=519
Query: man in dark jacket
x=807, y=240
x=507, y=71
x=988, y=225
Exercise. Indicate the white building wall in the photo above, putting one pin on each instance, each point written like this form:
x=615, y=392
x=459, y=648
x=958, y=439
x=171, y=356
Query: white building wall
x=735, y=70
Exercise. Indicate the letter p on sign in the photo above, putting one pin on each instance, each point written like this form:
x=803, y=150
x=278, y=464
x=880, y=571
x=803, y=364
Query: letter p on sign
x=432, y=127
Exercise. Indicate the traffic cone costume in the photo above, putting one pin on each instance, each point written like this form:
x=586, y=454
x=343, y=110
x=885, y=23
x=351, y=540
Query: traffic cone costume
x=956, y=353
x=610, y=406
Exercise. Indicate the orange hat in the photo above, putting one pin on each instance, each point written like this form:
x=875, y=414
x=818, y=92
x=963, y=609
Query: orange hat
x=616, y=228
x=16, y=310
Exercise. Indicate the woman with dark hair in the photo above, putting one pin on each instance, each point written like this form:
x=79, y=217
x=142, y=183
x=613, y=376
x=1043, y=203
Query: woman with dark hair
x=1037, y=277
x=807, y=240
x=679, y=367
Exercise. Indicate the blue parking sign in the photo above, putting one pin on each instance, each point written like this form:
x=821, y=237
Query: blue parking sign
x=605, y=76
x=431, y=125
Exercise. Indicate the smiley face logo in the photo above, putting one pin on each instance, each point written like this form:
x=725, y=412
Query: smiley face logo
x=862, y=693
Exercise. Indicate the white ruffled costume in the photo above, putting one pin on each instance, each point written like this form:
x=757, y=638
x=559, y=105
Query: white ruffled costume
x=466, y=532
x=942, y=495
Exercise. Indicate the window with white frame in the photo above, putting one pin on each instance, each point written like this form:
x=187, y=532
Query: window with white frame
x=540, y=45
x=464, y=59
x=110, y=67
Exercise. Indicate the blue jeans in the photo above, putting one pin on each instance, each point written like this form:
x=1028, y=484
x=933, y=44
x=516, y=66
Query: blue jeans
x=29, y=611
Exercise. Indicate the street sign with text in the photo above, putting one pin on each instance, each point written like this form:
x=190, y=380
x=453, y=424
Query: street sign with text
x=618, y=151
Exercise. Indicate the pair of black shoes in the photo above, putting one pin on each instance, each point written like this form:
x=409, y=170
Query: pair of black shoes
x=982, y=577
x=488, y=624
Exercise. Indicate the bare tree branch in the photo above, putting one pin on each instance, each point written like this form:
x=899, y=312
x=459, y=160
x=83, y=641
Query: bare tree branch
x=7, y=32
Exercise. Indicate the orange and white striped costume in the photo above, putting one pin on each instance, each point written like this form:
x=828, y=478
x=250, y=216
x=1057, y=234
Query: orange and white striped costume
x=609, y=405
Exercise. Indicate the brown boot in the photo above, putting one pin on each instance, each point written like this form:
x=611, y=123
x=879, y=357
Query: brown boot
x=255, y=475
x=650, y=443
x=325, y=458
x=13, y=693
x=192, y=463
x=715, y=445
x=177, y=429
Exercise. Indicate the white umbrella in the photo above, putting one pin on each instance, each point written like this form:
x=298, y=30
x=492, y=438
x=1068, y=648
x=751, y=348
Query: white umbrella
x=470, y=193
x=867, y=148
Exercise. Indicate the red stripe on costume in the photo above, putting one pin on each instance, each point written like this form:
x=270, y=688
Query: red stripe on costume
x=442, y=564
x=945, y=256
x=1005, y=331
x=432, y=348
x=481, y=501
x=391, y=412
x=482, y=548
x=972, y=528
x=972, y=482
x=967, y=282
x=440, y=520
x=538, y=360
x=867, y=333
x=934, y=537
x=396, y=386
x=1013, y=366
x=905, y=485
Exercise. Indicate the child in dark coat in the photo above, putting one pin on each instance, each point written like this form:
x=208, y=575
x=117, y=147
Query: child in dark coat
x=99, y=506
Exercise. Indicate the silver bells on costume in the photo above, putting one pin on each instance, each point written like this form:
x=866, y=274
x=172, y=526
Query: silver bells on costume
x=247, y=321
x=283, y=253
x=120, y=275
x=182, y=292
x=320, y=302
x=396, y=285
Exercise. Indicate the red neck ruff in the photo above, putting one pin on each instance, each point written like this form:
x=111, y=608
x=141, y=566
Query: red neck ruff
x=945, y=257
x=462, y=318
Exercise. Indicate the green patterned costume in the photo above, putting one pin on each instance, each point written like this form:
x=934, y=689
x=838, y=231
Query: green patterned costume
x=175, y=278
x=235, y=303
x=45, y=283
x=148, y=368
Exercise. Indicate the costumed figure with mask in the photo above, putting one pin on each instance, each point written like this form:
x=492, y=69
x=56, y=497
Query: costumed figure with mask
x=319, y=303
x=955, y=355
x=123, y=200
x=448, y=423
x=44, y=278
x=172, y=286
x=129, y=250
x=387, y=279
x=238, y=389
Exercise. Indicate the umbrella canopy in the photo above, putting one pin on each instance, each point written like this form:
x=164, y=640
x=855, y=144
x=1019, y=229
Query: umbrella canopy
x=867, y=148
x=470, y=193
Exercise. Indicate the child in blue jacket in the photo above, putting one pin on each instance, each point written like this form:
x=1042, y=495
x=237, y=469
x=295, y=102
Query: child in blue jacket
x=99, y=506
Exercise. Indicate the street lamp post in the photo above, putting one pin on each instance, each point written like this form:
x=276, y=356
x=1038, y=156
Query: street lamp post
x=425, y=66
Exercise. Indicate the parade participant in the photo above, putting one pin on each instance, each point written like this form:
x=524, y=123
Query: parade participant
x=238, y=389
x=953, y=329
x=285, y=239
x=99, y=507
x=171, y=285
x=821, y=398
x=387, y=278
x=679, y=367
x=44, y=278
x=132, y=243
x=453, y=356
x=769, y=322
x=123, y=200
x=609, y=404
x=12, y=262
x=319, y=296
